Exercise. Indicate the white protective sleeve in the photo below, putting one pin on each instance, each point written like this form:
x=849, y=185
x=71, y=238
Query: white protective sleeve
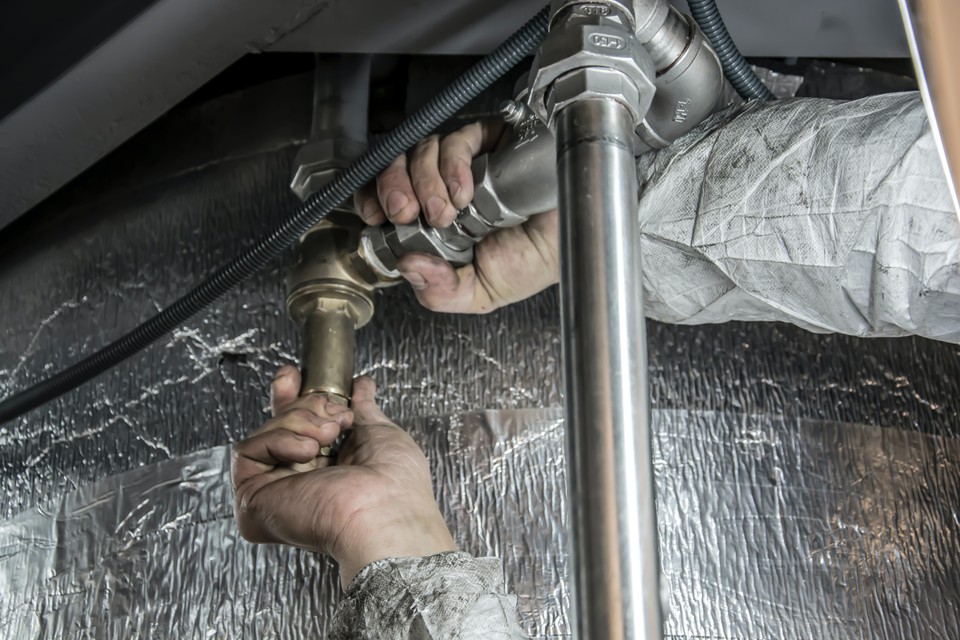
x=448, y=596
x=831, y=215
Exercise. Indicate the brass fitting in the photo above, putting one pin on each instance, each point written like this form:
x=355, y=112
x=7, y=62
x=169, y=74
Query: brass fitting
x=330, y=296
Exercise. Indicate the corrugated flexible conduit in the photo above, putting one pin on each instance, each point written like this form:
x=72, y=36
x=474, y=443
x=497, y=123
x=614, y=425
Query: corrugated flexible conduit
x=737, y=70
x=521, y=44
x=441, y=107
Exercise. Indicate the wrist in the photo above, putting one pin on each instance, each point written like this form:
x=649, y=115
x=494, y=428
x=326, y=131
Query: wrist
x=407, y=537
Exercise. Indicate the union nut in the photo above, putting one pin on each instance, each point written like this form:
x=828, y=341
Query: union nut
x=383, y=246
x=573, y=46
x=598, y=82
x=318, y=162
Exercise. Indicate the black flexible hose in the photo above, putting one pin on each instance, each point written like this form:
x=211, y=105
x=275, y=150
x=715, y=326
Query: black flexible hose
x=738, y=72
x=521, y=44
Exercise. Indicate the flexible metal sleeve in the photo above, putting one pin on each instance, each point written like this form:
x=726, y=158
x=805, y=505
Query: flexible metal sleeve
x=616, y=559
x=737, y=70
x=521, y=44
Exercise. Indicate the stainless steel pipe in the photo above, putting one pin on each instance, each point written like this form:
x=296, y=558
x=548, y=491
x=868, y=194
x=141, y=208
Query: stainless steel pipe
x=616, y=562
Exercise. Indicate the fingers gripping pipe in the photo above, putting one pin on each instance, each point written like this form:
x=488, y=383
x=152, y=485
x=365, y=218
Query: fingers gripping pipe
x=518, y=179
x=613, y=79
x=265, y=249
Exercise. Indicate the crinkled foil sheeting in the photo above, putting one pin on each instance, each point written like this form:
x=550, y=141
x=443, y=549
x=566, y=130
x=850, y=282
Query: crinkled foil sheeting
x=769, y=528
x=186, y=195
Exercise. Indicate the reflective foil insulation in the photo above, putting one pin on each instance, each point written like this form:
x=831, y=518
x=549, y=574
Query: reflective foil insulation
x=808, y=484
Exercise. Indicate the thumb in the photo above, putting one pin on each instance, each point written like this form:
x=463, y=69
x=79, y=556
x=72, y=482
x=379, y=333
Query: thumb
x=439, y=287
x=364, y=403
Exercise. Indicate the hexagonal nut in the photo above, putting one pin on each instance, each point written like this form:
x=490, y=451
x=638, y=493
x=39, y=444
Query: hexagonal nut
x=317, y=162
x=620, y=12
x=376, y=251
x=383, y=246
x=577, y=46
x=486, y=199
x=596, y=82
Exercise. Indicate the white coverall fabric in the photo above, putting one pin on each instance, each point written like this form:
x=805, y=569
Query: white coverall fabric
x=449, y=596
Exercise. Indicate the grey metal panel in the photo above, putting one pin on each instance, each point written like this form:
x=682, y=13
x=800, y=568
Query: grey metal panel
x=176, y=46
x=775, y=28
x=168, y=51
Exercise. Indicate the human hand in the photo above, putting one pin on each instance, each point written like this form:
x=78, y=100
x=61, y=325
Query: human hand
x=508, y=266
x=373, y=501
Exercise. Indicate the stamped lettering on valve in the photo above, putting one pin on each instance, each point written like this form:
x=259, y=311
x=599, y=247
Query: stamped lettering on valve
x=607, y=41
x=592, y=9
x=681, y=113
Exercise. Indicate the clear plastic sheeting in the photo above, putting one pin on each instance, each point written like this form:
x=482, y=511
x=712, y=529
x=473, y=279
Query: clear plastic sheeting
x=834, y=216
x=769, y=528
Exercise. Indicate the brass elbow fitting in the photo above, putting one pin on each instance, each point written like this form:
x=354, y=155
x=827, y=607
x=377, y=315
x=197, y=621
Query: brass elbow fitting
x=330, y=296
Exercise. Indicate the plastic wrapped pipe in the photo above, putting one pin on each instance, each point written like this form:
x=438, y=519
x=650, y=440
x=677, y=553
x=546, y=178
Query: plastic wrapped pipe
x=807, y=483
x=831, y=215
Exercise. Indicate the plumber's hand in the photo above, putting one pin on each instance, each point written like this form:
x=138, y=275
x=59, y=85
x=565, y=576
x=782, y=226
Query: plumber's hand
x=375, y=502
x=435, y=178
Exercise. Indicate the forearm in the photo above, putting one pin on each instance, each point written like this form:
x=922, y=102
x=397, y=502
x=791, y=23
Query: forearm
x=449, y=595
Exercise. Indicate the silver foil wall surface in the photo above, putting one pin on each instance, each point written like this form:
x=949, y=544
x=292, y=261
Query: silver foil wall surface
x=769, y=528
x=828, y=504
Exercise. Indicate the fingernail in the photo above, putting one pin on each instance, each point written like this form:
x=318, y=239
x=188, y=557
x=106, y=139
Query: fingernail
x=435, y=207
x=282, y=373
x=369, y=210
x=396, y=201
x=454, y=188
x=416, y=280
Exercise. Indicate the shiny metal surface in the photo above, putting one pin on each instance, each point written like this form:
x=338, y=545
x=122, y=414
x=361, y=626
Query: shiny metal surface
x=329, y=287
x=589, y=36
x=671, y=84
x=689, y=81
x=511, y=183
x=338, y=131
x=770, y=527
x=616, y=567
x=330, y=294
x=807, y=483
x=326, y=353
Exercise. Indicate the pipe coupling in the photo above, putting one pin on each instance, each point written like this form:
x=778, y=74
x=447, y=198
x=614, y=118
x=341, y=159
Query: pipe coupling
x=330, y=295
x=512, y=183
x=588, y=48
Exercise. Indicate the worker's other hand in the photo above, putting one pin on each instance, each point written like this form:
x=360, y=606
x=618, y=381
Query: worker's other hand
x=508, y=266
x=375, y=502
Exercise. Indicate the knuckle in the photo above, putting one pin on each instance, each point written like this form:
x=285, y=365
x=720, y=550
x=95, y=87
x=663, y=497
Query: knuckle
x=299, y=413
x=424, y=185
x=426, y=144
x=392, y=177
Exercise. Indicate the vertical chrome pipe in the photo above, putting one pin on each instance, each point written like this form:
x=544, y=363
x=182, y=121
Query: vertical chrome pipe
x=616, y=562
